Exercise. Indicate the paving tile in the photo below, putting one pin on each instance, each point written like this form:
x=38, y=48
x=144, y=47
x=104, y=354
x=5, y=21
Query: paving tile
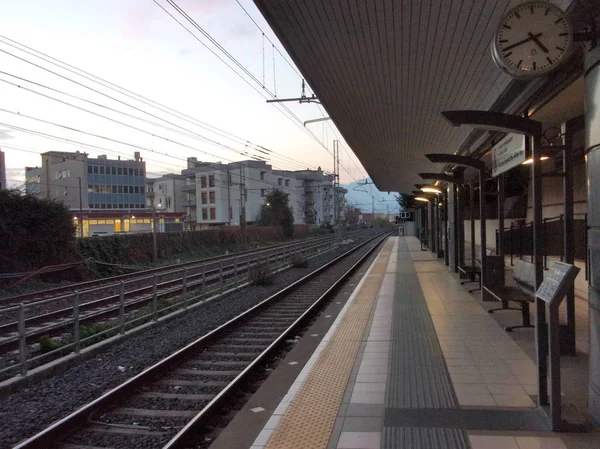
x=476, y=400
x=362, y=424
x=463, y=370
x=466, y=378
x=466, y=389
x=273, y=422
x=499, y=378
x=373, y=369
x=506, y=389
x=368, y=397
x=359, y=440
x=509, y=400
x=371, y=378
x=492, y=442
x=370, y=386
x=540, y=443
x=263, y=437
x=368, y=410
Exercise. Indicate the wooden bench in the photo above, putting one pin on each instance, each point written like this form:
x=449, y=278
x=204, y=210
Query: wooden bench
x=522, y=293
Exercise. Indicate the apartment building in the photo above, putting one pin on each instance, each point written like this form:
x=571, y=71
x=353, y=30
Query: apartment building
x=81, y=182
x=220, y=194
x=166, y=193
x=33, y=181
x=217, y=193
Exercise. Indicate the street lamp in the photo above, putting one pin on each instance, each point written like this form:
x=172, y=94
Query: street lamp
x=80, y=209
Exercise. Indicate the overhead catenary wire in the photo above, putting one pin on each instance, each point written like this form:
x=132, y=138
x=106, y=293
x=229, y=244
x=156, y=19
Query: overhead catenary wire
x=132, y=95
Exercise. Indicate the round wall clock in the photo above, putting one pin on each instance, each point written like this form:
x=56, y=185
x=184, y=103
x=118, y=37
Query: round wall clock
x=532, y=40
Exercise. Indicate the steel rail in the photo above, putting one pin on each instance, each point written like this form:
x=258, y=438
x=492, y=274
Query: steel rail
x=210, y=278
x=84, y=286
x=67, y=425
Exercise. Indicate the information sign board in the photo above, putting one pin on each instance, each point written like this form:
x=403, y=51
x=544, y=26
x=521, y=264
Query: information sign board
x=554, y=287
x=508, y=153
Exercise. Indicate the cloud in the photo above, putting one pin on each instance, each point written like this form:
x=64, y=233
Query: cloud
x=142, y=13
x=4, y=134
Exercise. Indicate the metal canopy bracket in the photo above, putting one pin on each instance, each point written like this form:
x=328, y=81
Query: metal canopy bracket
x=444, y=158
x=495, y=121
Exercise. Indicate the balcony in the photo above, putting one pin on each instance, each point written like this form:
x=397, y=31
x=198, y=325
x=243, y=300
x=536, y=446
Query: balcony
x=150, y=194
x=189, y=203
x=189, y=188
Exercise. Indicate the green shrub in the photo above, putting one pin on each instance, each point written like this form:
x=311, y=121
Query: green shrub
x=260, y=274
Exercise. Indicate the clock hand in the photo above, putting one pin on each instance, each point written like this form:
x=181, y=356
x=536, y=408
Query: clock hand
x=537, y=41
x=530, y=38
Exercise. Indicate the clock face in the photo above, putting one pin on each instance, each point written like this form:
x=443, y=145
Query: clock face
x=532, y=40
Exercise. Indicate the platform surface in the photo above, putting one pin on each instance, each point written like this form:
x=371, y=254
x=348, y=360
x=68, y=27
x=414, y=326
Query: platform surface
x=413, y=361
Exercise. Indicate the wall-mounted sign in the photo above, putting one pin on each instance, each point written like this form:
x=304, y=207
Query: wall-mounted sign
x=508, y=153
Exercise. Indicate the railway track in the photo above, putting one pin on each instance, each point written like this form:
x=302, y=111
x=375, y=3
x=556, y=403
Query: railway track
x=166, y=404
x=88, y=286
x=104, y=302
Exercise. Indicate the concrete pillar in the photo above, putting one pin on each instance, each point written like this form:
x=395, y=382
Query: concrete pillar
x=592, y=144
x=430, y=227
x=451, y=228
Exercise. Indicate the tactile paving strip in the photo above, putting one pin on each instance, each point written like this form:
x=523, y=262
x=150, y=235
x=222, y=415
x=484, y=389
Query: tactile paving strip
x=311, y=416
x=418, y=375
x=419, y=437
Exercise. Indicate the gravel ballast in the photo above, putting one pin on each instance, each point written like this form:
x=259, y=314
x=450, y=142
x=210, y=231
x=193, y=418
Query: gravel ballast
x=30, y=410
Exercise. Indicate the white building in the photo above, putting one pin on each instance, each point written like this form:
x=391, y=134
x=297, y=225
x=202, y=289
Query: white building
x=213, y=194
x=165, y=193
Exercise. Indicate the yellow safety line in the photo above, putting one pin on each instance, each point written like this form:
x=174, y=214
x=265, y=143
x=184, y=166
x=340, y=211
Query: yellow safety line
x=308, y=422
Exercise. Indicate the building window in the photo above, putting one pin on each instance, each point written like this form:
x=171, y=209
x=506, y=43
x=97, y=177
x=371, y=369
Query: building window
x=114, y=190
x=287, y=182
x=211, y=197
x=113, y=170
x=213, y=213
x=279, y=181
x=131, y=172
x=90, y=188
x=119, y=171
x=205, y=214
x=95, y=169
x=204, y=198
x=211, y=181
x=203, y=182
x=120, y=189
x=262, y=175
x=90, y=169
x=136, y=189
x=101, y=170
x=120, y=205
x=262, y=192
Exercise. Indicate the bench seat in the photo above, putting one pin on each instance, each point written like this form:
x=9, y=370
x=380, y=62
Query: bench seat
x=522, y=293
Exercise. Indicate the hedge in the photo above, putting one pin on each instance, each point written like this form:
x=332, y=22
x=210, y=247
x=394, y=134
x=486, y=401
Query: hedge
x=137, y=248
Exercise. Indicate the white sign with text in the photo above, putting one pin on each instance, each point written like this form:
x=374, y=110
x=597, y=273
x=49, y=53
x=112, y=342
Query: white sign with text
x=508, y=153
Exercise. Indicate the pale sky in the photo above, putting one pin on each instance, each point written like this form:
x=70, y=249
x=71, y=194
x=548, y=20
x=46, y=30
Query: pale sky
x=136, y=45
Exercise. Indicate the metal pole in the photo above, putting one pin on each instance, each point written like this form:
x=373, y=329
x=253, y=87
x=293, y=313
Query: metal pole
x=80, y=209
x=122, y=308
x=482, y=275
x=154, y=245
x=538, y=243
x=500, y=249
x=446, y=242
x=460, y=219
x=184, y=292
x=472, y=211
x=22, y=341
x=203, y=280
x=76, y=335
x=221, y=276
x=154, y=300
x=569, y=228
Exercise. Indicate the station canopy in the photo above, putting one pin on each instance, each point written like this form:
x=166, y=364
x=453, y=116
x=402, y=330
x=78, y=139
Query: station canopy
x=384, y=69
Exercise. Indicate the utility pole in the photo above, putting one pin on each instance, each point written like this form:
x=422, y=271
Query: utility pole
x=80, y=209
x=336, y=187
x=242, y=205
